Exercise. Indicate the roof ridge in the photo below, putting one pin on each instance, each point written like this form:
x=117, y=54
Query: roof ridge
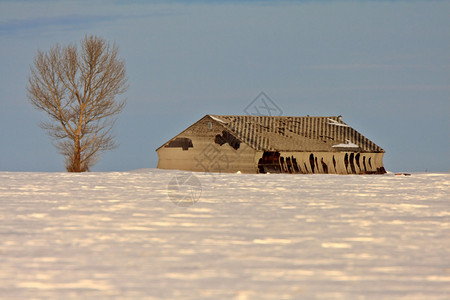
x=307, y=116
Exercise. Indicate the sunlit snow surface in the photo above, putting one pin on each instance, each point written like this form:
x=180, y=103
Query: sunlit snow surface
x=119, y=235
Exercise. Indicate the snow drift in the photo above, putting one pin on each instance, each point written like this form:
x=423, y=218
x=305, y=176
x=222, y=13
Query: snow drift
x=161, y=235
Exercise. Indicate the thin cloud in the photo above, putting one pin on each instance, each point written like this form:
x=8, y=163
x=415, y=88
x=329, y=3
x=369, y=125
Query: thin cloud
x=415, y=87
x=357, y=67
x=68, y=22
x=61, y=22
x=384, y=87
x=351, y=67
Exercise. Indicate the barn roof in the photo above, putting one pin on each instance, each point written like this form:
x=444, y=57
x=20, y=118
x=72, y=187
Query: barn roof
x=296, y=133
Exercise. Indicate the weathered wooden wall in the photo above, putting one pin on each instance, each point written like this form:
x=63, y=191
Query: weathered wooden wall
x=331, y=162
x=206, y=153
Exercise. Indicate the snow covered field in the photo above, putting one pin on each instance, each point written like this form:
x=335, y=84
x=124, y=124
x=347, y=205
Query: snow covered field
x=119, y=235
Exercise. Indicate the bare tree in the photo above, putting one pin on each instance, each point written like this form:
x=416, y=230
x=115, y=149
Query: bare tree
x=78, y=90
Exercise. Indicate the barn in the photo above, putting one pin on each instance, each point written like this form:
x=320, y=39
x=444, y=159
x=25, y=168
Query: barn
x=266, y=144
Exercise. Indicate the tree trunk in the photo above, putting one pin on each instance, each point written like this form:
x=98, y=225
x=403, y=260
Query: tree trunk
x=76, y=163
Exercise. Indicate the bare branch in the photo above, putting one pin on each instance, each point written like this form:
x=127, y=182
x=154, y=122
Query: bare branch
x=78, y=90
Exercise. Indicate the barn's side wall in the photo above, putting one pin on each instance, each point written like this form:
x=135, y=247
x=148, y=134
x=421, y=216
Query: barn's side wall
x=329, y=162
x=211, y=151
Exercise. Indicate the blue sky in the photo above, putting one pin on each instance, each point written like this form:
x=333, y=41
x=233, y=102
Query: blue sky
x=383, y=65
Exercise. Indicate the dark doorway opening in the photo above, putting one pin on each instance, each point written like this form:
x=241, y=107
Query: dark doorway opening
x=283, y=165
x=352, y=163
x=289, y=165
x=357, y=156
x=324, y=166
x=270, y=162
x=295, y=166
x=311, y=162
